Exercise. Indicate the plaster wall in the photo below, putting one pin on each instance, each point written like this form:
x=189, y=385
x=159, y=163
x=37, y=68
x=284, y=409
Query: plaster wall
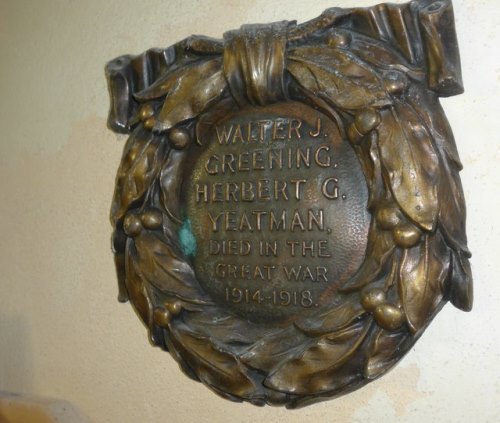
x=62, y=332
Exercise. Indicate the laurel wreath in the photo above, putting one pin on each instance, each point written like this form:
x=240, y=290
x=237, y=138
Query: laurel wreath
x=417, y=256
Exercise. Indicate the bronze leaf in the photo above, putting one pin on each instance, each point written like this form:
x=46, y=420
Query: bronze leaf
x=166, y=271
x=411, y=164
x=339, y=76
x=452, y=212
x=285, y=344
x=196, y=88
x=140, y=165
x=332, y=320
x=171, y=182
x=385, y=352
x=169, y=81
x=461, y=289
x=423, y=271
x=311, y=372
x=214, y=367
x=369, y=157
x=135, y=287
x=223, y=328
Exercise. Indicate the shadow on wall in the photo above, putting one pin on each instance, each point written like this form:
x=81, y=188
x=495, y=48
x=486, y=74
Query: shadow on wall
x=24, y=409
x=16, y=364
x=16, y=375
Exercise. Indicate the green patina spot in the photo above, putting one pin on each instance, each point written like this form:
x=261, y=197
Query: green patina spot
x=187, y=239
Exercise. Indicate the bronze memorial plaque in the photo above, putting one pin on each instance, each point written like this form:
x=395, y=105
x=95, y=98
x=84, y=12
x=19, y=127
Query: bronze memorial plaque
x=288, y=215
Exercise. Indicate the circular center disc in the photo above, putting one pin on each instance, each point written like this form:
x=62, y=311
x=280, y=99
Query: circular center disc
x=277, y=204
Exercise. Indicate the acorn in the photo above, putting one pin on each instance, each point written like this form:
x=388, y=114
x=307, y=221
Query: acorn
x=372, y=298
x=406, y=235
x=149, y=123
x=152, y=219
x=340, y=39
x=395, y=82
x=388, y=217
x=367, y=120
x=146, y=111
x=162, y=317
x=179, y=138
x=389, y=317
x=174, y=308
x=132, y=225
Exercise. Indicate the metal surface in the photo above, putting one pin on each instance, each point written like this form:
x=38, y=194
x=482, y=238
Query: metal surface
x=288, y=213
x=278, y=214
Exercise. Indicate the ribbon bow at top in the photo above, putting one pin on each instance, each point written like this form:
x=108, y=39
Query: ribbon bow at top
x=254, y=63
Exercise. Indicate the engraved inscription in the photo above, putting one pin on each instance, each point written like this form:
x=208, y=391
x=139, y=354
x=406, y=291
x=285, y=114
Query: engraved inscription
x=277, y=205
